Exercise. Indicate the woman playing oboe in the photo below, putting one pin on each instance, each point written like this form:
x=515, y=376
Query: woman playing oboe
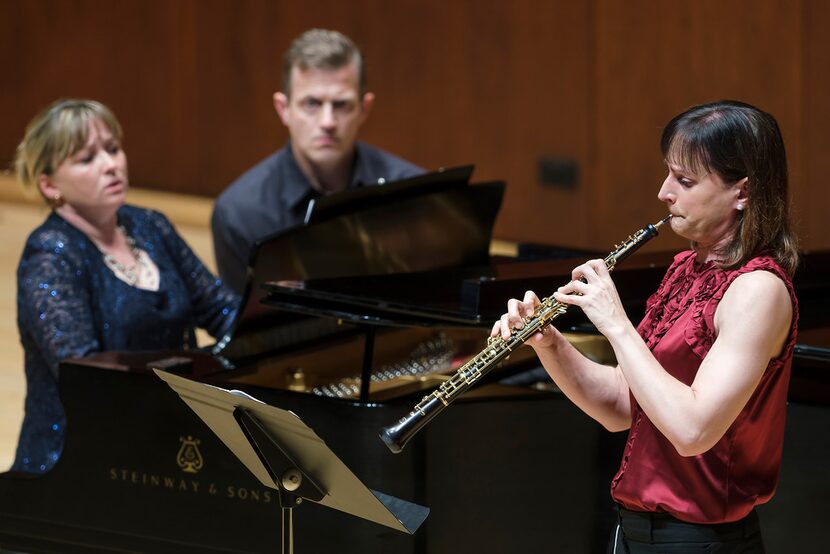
x=701, y=383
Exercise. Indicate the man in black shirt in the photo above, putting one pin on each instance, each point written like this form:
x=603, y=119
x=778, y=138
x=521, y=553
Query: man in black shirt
x=323, y=104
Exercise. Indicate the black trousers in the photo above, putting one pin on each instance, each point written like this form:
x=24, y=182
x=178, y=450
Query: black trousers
x=651, y=533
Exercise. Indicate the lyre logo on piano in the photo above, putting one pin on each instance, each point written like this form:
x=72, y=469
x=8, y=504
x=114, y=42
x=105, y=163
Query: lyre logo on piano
x=189, y=457
x=190, y=461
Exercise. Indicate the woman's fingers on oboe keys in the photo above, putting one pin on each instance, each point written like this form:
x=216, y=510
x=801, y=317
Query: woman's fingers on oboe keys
x=531, y=301
x=517, y=311
x=507, y=321
x=503, y=325
x=496, y=330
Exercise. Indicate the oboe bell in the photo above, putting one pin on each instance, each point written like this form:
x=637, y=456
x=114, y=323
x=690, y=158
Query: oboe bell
x=396, y=436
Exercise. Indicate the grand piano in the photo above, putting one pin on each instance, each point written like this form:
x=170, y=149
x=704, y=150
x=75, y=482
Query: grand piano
x=348, y=321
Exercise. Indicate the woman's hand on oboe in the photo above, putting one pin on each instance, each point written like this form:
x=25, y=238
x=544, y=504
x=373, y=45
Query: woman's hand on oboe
x=593, y=290
x=517, y=311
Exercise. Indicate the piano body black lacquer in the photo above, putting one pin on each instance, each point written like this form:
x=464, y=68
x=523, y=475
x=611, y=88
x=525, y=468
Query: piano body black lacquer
x=406, y=271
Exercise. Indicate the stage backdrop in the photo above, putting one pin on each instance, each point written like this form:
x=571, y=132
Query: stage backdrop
x=584, y=86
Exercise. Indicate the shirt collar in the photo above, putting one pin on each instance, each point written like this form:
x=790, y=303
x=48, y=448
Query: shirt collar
x=297, y=190
x=362, y=173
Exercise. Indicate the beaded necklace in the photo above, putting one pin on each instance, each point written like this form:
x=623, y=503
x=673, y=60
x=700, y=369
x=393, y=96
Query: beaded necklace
x=139, y=272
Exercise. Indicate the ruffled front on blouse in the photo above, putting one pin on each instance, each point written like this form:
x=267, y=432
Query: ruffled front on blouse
x=689, y=285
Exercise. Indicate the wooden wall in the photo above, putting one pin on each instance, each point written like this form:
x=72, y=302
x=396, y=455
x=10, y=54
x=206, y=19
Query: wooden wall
x=495, y=83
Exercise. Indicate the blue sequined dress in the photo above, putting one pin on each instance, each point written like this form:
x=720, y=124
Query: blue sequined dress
x=70, y=304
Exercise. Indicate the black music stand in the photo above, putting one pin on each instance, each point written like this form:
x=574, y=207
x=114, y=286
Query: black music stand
x=285, y=454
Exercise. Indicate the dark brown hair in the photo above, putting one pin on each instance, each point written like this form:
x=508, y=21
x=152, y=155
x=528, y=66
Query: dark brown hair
x=736, y=140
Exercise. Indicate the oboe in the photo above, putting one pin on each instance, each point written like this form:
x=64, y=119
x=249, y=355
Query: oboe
x=396, y=436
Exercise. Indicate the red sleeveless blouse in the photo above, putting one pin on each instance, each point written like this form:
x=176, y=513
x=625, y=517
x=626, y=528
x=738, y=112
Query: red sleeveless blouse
x=741, y=470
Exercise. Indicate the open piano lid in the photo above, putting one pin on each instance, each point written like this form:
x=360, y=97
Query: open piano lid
x=464, y=297
x=430, y=222
x=457, y=297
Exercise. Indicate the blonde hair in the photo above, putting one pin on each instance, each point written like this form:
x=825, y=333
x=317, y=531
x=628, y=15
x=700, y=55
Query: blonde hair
x=56, y=133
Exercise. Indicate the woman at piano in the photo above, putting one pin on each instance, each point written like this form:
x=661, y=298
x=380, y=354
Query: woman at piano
x=701, y=382
x=98, y=274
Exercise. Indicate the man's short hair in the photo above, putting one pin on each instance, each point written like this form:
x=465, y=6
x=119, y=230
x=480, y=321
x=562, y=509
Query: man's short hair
x=321, y=49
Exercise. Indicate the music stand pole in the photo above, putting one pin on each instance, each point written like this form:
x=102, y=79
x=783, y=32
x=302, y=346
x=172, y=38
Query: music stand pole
x=294, y=484
x=287, y=528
